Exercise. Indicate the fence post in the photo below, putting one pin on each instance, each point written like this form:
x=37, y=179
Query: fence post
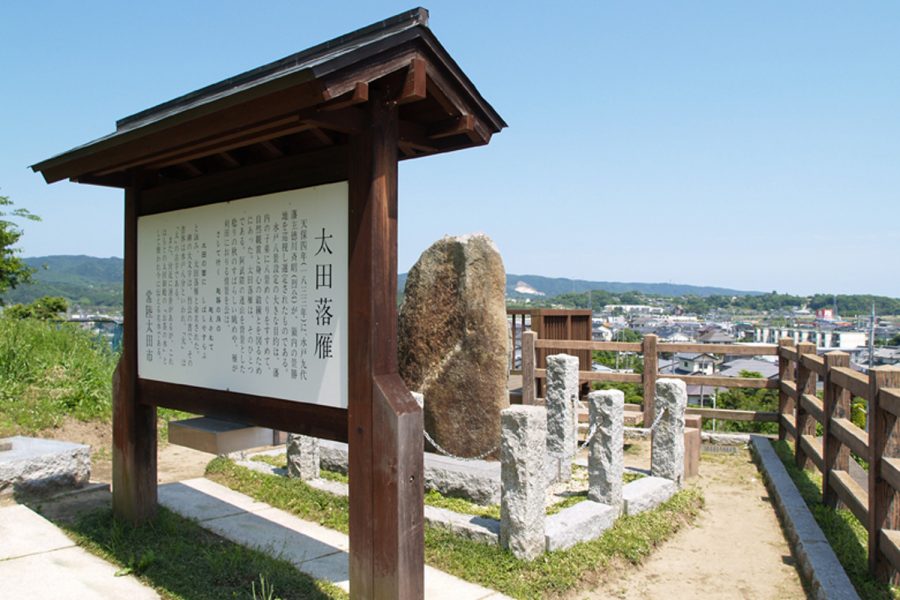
x=651, y=360
x=836, y=405
x=785, y=373
x=884, y=442
x=528, y=338
x=806, y=384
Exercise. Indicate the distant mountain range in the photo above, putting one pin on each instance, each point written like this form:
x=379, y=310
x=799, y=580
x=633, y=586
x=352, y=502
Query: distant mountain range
x=92, y=282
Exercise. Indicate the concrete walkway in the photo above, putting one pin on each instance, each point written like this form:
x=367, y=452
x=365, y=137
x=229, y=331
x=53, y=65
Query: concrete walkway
x=313, y=549
x=38, y=561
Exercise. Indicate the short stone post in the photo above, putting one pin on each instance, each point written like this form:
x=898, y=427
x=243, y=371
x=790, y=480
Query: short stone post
x=667, y=449
x=302, y=457
x=606, y=462
x=562, y=414
x=523, y=483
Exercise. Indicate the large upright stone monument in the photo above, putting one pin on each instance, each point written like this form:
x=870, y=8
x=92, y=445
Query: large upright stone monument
x=453, y=341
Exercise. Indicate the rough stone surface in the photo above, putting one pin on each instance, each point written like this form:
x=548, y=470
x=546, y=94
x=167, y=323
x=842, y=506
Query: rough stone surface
x=582, y=522
x=5, y=445
x=453, y=342
x=817, y=561
x=478, y=529
x=562, y=412
x=647, y=493
x=667, y=451
x=302, y=457
x=522, y=448
x=475, y=480
x=40, y=466
x=606, y=461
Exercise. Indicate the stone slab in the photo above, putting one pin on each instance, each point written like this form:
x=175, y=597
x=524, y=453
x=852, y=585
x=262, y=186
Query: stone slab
x=216, y=436
x=38, y=561
x=475, y=480
x=817, y=561
x=647, y=493
x=478, y=529
x=315, y=550
x=24, y=532
x=582, y=522
x=203, y=500
x=34, y=465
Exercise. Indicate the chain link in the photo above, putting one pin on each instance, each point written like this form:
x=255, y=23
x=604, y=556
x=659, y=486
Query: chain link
x=591, y=433
x=451, y=455
x=658, y=419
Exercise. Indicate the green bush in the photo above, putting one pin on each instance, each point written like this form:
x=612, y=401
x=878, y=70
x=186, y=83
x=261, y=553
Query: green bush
x=49, y=371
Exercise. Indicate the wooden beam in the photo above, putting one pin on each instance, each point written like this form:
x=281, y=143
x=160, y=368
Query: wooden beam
x=598, y=376
x=806, y=384
x=134, y=424
x=851, y=494
x=727, y=349
x=586, y=345
x=386, y=517
x=651, y=368
x=787, y=422
x=415, y=85
x=270, y=149
x=528, y=367
x=851, y=436
x=786, y=396
x=462, y=124
x=814, y=363
x=851, y=380
x=358, y=95
x=835, y=405
x=733, y=415
x=812, y=446
x=727, y=382
x=228, y=159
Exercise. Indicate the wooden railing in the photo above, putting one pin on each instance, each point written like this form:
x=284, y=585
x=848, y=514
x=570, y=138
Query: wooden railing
x=650, y=349
x=876, y=504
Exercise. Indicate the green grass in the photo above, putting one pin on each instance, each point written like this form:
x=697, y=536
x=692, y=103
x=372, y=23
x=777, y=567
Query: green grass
x=847, y=536
x=49, y=371
x=181, y=560
x=631, y=539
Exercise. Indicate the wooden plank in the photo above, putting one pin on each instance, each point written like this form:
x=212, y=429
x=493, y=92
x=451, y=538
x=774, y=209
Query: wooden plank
x=890, y=400
x=806, y=384
x=787, y=423
x=415, y=85
x=787, y=391
x=814, y=363
x=548, y=344
x=813, y=448
x=835, y=405
x=600, y=376
x=134, y=424
x=786, y=352
x=528, y=370
x=729, y=349
x=851, y=380
x=297, y=417
x=884, y=442
x=890, y=470
x=813, y=406
x=890, y=546
x=729, y=382
x=651, y=367
x=851, y=494
x=734, y=415
x=851, y=436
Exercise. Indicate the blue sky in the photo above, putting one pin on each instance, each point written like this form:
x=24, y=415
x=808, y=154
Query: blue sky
x=716, y=143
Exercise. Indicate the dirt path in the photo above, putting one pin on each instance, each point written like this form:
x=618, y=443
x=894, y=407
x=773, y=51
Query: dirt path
x=735, y=550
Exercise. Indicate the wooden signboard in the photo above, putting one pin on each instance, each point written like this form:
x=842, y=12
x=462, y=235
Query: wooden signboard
x=222, y=319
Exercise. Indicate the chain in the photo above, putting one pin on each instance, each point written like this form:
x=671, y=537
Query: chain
x=658, y=419
x=591, y=433
x=451, y=455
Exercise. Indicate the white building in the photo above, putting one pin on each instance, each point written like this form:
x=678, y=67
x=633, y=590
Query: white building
x=831, y=339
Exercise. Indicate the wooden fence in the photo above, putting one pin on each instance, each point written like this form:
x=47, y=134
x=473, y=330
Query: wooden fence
x=823, y=434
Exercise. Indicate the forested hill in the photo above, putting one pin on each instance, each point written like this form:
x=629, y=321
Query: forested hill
x=85, y=281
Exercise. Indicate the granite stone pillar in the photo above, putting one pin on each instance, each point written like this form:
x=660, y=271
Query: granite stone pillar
x=562, y=415
x=302, y=457
x=606, y=461
x=522, y=479
x=667, y=453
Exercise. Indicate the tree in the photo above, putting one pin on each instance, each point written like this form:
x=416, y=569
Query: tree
x=47, y=308
x=748, y=399
x=13, y=270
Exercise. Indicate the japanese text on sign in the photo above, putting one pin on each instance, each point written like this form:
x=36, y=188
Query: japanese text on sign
x=248, y=296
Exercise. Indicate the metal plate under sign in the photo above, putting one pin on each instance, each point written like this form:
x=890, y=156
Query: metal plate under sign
x=248, y=296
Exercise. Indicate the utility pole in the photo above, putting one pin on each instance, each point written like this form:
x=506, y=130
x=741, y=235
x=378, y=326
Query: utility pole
x=872, y=339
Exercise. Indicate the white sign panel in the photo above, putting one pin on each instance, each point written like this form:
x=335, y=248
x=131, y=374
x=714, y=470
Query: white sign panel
x=248, y=296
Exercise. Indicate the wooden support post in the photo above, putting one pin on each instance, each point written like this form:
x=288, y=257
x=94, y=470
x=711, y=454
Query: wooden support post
x=884, y=442
x=134, y=424
x=528, y=358
x=651, y=362
x=384, y=421
x=785, y=373
x=836, y=405
x=806, y=384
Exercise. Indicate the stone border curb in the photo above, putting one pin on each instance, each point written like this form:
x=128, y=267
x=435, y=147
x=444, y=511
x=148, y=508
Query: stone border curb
x=817, y=561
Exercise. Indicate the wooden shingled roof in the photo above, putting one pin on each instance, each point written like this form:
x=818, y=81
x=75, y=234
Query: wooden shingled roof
x=305, y=106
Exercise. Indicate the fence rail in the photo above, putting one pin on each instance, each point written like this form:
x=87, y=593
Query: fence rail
x=824, y=436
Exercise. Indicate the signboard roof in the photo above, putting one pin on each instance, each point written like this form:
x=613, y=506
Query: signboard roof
x=300, y=104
